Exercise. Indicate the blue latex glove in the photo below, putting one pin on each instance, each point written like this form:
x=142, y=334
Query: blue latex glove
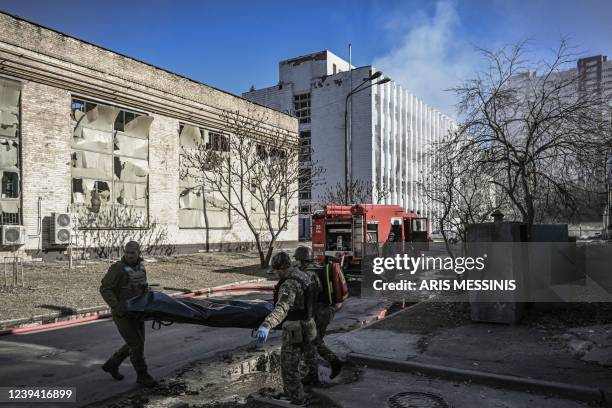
x=262, y=333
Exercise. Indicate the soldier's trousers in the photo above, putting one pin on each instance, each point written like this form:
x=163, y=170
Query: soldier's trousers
x=133, y=333
x=294, y=368
x=323, y=318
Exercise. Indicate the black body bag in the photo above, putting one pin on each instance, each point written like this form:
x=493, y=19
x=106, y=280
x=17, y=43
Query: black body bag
x=157, y=306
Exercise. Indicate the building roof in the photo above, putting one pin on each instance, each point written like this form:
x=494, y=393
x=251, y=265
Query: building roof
x=134, y=59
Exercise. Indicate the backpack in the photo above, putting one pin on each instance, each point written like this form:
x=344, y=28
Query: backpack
x=334, y=289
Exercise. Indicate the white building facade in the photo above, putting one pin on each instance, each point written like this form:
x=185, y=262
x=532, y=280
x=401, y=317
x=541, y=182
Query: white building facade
x=390, y=130
x=97, y=136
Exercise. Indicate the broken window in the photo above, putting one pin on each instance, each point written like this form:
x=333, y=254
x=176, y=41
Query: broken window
x=218, y=142
x=191, y=194
x=261, y=151
x=10, y=167
x=301, y=107
x=110, y=165
x=277, y=154
x=190, y=136
x=10, y=184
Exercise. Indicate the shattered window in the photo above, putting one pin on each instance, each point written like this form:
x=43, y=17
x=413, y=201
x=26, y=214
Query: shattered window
x=110, y=165
x=10, y=167
x=10, y=184
x=200, y=205
x=218, y=142
x=261, y=151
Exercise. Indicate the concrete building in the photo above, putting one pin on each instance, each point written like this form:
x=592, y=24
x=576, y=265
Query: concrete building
x=595, y=74
x=390, y=129
x=96, y=135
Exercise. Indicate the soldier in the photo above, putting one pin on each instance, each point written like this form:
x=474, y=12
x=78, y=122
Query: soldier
x=293, y=308
x=125, y=279
x=324, y=314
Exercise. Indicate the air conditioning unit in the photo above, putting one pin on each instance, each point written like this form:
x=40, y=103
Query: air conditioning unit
x=13, y=235
x=61, y=228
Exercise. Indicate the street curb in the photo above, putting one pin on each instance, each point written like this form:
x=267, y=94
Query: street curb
x=576, y=392
x=43, y=322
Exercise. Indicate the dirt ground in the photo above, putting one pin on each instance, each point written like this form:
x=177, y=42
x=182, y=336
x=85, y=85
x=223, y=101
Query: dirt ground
x=435, y=316
x=53, y=287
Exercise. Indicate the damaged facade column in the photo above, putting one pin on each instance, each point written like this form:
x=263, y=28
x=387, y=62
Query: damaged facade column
x=10, y=186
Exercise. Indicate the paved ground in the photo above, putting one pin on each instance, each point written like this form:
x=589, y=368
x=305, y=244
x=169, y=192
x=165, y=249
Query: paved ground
x=72, y=356
x=441, y=333
x=374, y=387
x=544, y=346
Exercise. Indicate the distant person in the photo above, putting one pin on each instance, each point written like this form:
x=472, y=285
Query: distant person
x=324, y=314
x=389, y=250
x=126, y=279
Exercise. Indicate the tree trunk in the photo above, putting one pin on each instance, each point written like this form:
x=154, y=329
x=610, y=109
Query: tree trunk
x=446, y=244
x=206, y=221
x=262, y=259
x=270, y=251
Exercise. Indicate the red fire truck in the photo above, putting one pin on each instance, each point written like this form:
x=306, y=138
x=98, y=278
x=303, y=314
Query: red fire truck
x=354, y=231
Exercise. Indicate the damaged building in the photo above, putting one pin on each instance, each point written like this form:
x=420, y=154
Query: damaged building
x=90, y=140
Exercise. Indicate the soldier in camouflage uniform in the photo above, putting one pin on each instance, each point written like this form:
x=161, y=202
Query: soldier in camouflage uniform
x=293, y=308
x=324, y=314
x=125, y=279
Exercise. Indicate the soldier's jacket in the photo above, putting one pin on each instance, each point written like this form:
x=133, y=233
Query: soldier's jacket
x=122, y=282
x=290, y=297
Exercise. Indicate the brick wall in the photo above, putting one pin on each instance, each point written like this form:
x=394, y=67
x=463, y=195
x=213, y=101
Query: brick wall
x=53, y=67
x=45, y=142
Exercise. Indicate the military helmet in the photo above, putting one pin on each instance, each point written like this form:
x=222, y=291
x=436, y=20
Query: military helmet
x=281, y=261
x=303, y=253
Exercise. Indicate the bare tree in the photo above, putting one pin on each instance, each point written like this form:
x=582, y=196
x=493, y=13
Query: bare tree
x=457, y=187
x=542, y=138
x=256, y=174
x=360, y=192
x=200, y=158
x=95, y=236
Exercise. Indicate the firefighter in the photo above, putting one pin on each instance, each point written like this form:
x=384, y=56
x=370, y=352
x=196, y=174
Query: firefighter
x=324, y=314
x=293, y=308
x=389, y=250
x=126, y=279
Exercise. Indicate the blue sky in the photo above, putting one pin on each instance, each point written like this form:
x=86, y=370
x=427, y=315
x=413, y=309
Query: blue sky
x=427, y=46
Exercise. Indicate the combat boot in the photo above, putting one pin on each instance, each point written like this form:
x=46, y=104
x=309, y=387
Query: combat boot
x=113, y=369
x=143, y=378
x=336, y=366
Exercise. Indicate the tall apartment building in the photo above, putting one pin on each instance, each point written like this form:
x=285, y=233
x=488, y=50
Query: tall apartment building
x=390, y=128
x=88, y=131
x=595, y=74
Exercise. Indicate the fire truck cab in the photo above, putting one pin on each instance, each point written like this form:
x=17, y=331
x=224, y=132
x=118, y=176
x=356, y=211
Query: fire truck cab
x=360, y=230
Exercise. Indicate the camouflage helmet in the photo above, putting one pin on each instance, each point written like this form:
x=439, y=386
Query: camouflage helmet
x=281, y=261
x=303, y=253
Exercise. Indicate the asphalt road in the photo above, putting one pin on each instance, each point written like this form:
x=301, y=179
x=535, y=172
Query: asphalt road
x=72, y=356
